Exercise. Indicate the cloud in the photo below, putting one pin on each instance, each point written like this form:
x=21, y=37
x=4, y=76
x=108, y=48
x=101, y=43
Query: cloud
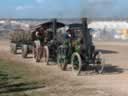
x=39, y=1
x=20, y=8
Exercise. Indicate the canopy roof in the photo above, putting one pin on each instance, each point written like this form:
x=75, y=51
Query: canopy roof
x=50, y=24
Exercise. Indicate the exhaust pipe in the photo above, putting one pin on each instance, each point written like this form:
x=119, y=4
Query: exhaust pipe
x=87, y=38
x=54, y=21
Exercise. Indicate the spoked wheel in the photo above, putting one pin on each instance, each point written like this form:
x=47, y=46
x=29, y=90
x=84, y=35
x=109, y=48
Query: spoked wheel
x=24, y=51
x=61, y=58
x=46, y=54
x=99, y=63
x=76, y=63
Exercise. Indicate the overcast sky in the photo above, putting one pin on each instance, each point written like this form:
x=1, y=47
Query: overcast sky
x=63, y=8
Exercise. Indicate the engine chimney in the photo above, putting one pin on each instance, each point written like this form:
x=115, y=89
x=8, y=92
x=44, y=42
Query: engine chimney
x=87, y=39
x=54, y=27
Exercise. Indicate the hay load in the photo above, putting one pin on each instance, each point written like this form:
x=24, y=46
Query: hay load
x=20, y=36
x=18, y=39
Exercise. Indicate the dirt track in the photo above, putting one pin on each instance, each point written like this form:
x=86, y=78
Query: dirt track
x=113, y=82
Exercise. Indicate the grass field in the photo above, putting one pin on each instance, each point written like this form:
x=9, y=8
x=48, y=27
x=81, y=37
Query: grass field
x=18, y=80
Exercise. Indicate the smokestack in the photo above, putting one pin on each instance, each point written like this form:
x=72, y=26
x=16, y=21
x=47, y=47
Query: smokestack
x=54, y=21
x=87, y=39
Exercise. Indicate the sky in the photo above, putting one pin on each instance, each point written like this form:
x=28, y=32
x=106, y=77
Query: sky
x=63, y=8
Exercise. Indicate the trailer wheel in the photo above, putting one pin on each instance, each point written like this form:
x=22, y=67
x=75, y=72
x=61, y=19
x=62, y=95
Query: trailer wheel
x=13, y=48
x=24, y=50
x=61, y=58
x=76, y=63
x=99, y=63
x=46, y=54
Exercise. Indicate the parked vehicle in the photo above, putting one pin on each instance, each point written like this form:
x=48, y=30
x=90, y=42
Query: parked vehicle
x=79, y=50
x=21, y=40
x=52, y=43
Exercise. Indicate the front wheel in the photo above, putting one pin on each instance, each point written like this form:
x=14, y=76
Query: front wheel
x=76, y=63
x=99, y=63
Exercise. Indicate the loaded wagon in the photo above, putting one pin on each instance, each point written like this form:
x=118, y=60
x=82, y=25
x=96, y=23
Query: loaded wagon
x=16, y=40
x=52, y=42
x=21, y=39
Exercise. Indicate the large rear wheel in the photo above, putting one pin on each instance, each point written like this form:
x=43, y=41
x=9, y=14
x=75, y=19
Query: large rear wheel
x=99, y=63
x=76, y=63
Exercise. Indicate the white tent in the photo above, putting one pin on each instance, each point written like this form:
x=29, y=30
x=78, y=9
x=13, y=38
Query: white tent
x=108, y=29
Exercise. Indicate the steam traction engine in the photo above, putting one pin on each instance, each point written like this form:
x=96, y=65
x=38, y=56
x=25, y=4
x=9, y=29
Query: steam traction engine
x=79, y=51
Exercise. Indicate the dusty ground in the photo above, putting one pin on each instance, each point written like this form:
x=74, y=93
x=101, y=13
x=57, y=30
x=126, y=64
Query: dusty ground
x=113, y=82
